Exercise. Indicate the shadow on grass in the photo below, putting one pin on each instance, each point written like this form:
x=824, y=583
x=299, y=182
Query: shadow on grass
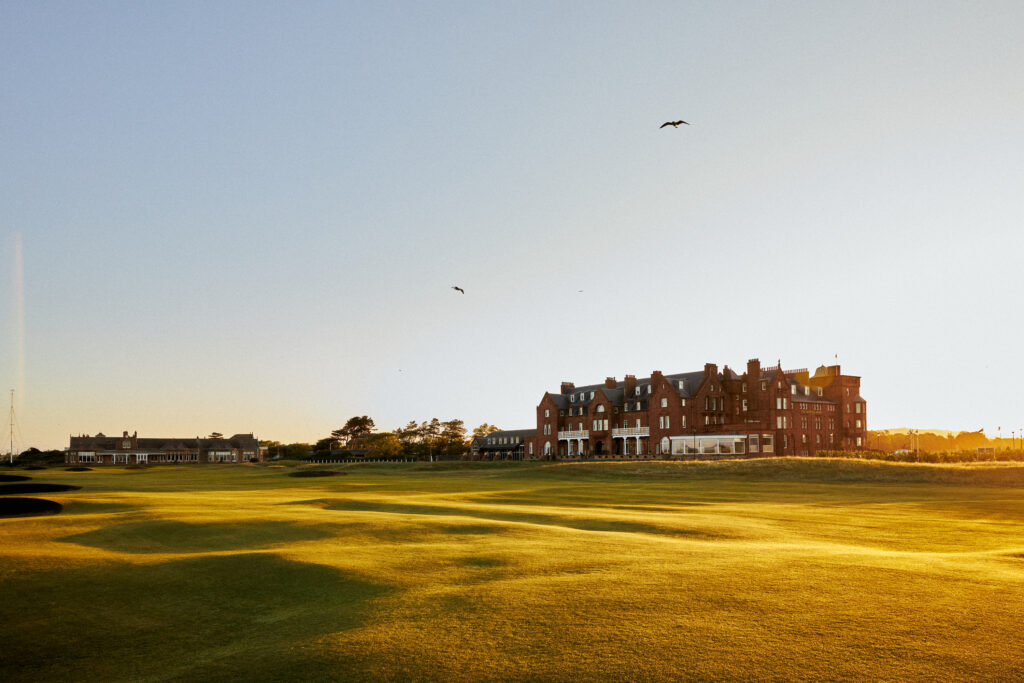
x=161, y=536
x=238, y=617
x=17, y=489
x=82, y=507
x=28, y=507
x=569, y=522
x=14, y=477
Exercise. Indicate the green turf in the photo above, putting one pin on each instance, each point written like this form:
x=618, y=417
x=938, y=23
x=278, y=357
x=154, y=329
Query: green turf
x=795, y=569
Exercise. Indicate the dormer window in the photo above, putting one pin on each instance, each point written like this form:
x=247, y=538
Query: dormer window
x=682, y=385
x=792, y=390
x=572, y=398
x=648, y=388
x=581, y=395
x=591, y=395
x=807, y=391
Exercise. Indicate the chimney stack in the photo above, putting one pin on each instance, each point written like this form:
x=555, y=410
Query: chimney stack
x=609, y=382
x=629, y=385
x=567, y=387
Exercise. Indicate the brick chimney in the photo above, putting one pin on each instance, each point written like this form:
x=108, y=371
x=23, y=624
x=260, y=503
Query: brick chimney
x=629, y=384
x=711, y=370
x=609, y=382
x=567, y=387
x=753, y=370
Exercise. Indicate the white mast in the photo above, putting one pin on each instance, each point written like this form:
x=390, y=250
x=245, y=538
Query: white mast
x=10, y=453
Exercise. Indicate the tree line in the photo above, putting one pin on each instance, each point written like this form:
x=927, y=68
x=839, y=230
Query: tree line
x=428, y=440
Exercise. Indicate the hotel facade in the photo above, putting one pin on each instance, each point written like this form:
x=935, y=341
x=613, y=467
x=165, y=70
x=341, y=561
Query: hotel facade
x=763, y=411
x=129, y=449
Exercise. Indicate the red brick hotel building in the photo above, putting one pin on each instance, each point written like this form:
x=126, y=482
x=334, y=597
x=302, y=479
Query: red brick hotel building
x=705, y=413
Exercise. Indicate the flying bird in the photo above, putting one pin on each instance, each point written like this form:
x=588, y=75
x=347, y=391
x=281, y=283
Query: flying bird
x=459, y=289
x=674, y=124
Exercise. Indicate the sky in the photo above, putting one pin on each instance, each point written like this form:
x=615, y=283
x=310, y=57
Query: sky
x=248, y=216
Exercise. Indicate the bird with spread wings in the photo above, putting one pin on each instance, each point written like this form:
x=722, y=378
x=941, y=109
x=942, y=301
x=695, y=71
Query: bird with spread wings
x=459, y=289
x=674, y=124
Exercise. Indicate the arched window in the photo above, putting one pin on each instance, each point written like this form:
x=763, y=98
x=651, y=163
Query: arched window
x=600, y=408
x=547, y=448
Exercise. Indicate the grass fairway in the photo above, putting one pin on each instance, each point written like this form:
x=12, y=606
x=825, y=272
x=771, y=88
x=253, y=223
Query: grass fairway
x=795, y=569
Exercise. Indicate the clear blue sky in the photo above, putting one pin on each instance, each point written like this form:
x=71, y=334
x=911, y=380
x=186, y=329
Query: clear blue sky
x=247, y=216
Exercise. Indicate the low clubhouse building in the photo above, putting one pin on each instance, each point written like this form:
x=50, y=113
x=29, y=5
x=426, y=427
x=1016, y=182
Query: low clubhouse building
x=129, y=449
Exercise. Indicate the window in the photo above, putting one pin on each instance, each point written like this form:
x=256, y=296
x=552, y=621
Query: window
x=764, y=386
x=792, y=389
x=664, y=403
x=817, y=439
x=141, y=457
x=87, y=456
x=547, y=413
x=857, y=408
x=807, y=391
x=600, y=409
x=682, y=385
x=638, y=423
x=744, y=405
x=665, y=447
x=744, y=387
x=581, y=395
x=636, y=391
x=712, y=387
x=767, y=443
x=803, y=438
x=684, y=402
x=752, y=443
x=572, y=398
x=847, y=391
x=803, y=423
x=821, y=391
x=858, y=424
x=531, y=448
x=858, y=441
x=591, y=395
x=684, y=422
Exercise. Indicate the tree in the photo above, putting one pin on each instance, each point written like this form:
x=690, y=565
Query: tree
x=484, y=429
x=326, y=445
x=356, y=428
x=410, y=438
x=385, y=445
x=430, y=432
x=453, y=438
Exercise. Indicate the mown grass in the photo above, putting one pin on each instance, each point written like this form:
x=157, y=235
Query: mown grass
x=776, y=569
